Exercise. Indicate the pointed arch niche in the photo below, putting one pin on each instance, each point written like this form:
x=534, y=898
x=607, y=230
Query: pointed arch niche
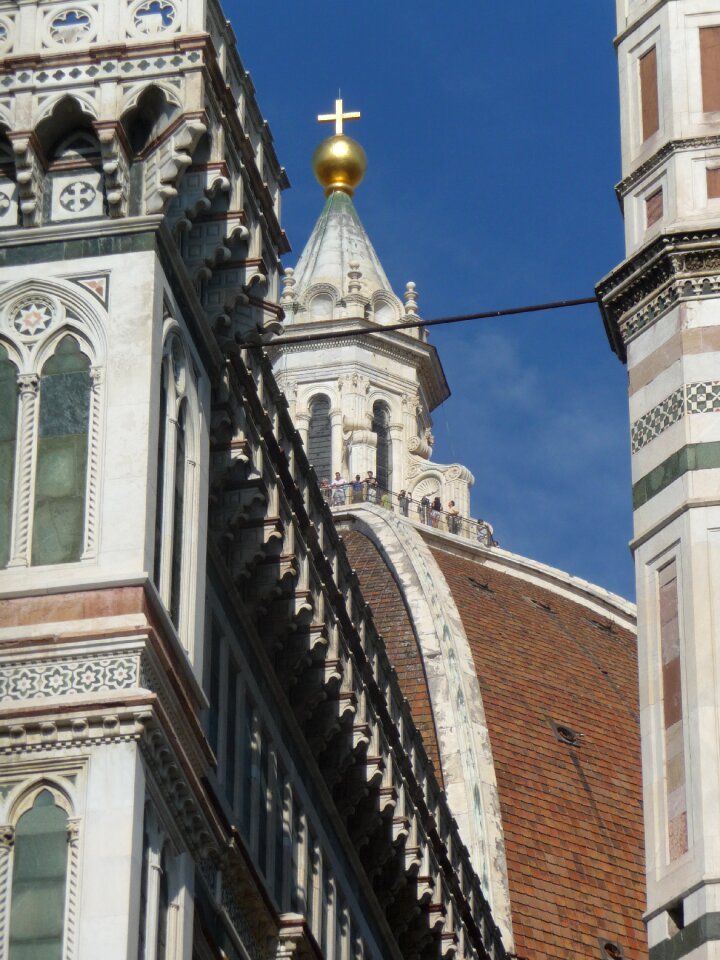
x=69, y=141
x=39, y=876
x=319, y=444
x=62, y=455
x=176, y=508
x=52, y=345
x=381, y=428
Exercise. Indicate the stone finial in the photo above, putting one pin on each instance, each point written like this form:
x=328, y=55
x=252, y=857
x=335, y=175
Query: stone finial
x=354, y=275
x=288, y=291
x=411, y=299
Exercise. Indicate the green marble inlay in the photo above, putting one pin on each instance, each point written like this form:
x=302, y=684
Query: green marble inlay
x=62, y=456
x=703, y=930
x=694, y=456
x=8, y=436
x=38, y=883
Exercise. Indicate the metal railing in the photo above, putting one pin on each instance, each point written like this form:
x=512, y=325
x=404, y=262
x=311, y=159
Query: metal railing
x=348, y=492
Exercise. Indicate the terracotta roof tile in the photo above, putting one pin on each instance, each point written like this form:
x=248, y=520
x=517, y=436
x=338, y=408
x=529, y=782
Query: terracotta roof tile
x=572, y=816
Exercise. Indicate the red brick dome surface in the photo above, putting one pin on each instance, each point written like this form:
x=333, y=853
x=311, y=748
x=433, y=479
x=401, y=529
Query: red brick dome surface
x=559, y=687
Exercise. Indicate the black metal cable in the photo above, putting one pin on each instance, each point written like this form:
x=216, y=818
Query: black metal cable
x=410, y=324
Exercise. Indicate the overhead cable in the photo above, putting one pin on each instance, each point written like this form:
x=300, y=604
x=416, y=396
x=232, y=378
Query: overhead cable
x=412, y=324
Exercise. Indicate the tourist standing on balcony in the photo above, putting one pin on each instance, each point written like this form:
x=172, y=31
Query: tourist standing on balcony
x=435, y=512
x=485, y=533
x=356, y=488
x=325, y=489
x=338, y=489
x=453, y=518
x=372, y=487
x=424, y=510
x=404, y=502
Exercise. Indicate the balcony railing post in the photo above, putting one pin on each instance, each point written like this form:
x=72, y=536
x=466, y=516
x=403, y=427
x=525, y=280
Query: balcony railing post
x=342, y=492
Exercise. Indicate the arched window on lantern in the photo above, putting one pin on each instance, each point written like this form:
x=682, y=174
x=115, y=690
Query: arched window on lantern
x=39, y=881
x=381, y=428
x=62, y=455
x=319, y=437
x=176, y=479
x=8, y=449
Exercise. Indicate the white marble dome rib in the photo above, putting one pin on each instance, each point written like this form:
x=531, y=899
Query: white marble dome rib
x=338, y=240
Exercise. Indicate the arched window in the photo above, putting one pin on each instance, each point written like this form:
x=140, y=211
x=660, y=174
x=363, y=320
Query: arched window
x=8, y=443
x=39, y=878
x=175, y=479
x=319, y=437
x=62, y=454
x=381, y=427
x=159, y=934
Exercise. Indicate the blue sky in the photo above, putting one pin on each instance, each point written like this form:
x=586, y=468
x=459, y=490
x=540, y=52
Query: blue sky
x=493, y=144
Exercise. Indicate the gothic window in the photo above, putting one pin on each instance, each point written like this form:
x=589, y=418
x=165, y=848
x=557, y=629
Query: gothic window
x=8, y=439
x=50, y=410
x=39, y=880
x=381, y=428
x=158, y=893
x=61, y=471
x=175, y=481
x=319, y=437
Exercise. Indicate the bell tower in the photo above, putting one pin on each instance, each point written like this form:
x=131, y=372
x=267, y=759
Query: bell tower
x=661, y=308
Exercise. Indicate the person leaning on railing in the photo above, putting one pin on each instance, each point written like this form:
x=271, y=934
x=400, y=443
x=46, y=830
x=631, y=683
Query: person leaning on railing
x=453, y=515
x=338, y=489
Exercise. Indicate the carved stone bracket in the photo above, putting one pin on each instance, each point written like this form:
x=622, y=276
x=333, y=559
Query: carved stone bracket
x=30, y=176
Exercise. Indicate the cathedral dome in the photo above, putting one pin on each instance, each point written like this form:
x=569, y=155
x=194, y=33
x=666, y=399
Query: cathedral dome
x=554, y=668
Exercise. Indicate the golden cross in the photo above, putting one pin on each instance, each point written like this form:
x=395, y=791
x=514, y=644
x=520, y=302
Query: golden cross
x=338, y=117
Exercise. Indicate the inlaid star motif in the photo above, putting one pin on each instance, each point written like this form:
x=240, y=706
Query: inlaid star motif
x=32, y=318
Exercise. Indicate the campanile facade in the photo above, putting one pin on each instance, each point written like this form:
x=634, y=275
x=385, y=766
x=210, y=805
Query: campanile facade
x=661, y=308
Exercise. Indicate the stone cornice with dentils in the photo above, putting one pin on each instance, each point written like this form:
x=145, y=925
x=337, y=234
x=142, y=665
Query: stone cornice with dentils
x=674, y=267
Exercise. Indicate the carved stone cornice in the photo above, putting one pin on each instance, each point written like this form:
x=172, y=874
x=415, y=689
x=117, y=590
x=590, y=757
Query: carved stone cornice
x=659, y=157
x=674, y=267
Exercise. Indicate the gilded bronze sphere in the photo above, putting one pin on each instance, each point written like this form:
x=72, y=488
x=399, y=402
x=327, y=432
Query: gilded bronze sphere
x=339, y=164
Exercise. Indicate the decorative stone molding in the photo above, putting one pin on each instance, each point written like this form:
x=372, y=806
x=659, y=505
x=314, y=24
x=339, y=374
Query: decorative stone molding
x=115, y=166
x=93, y=466
x=657, y=159
x=28, y=385
x=699, y=397
x=30, y=177
x=53, y=678
x=70, y=731
x=657, y=420
x=169, y=160
x=7, y=841
x=671, y=269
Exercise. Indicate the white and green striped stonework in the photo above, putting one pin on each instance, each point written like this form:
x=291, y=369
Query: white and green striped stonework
x=661, y=308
